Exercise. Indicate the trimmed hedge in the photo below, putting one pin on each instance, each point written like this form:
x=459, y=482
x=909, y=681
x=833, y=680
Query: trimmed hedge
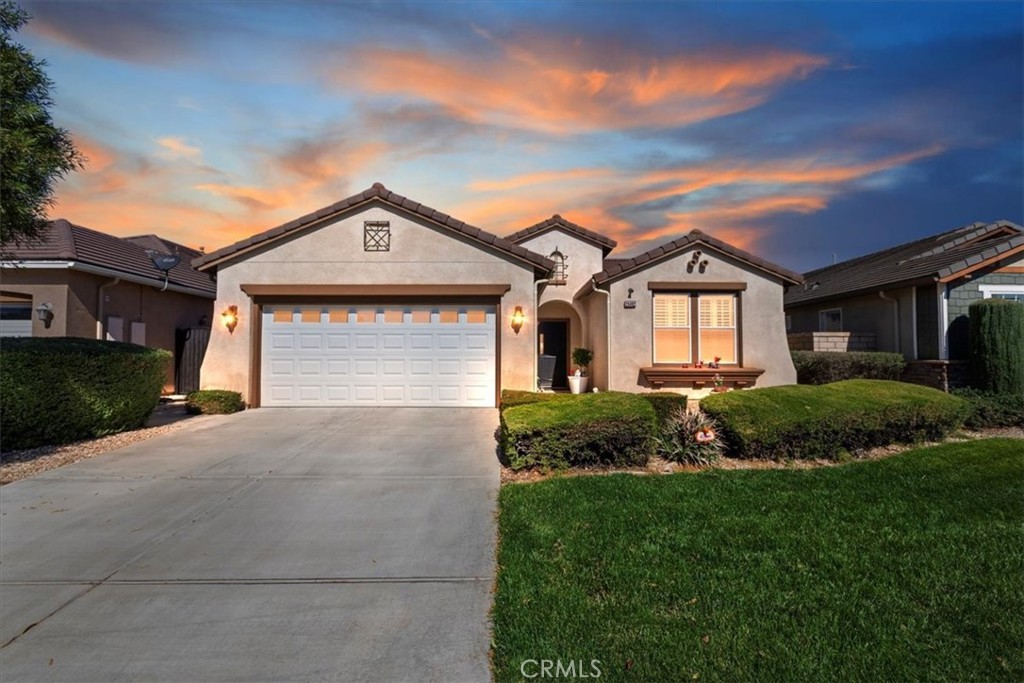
x=824, y=367
x=214, y=402
x=803, y=421
x=996, y=345
x=665, y=403
x=513, y=397
x=608, y=428
x=55, y=390
x=993, y=410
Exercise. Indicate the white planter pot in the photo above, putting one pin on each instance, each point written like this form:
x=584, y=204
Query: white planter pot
x=577, y=385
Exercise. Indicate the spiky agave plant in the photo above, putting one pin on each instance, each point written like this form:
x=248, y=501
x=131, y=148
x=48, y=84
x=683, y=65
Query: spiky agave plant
x=690, y=438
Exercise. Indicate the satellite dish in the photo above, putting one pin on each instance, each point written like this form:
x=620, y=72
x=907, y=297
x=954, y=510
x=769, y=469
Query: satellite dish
x=165, y=261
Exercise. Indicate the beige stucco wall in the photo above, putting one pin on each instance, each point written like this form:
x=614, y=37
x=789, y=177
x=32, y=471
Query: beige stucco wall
x=583, y=259
x=761, y=318
x=421, y=254
x=596, y=306
x=74, y=296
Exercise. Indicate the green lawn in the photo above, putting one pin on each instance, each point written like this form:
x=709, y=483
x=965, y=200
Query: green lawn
x=907, y=568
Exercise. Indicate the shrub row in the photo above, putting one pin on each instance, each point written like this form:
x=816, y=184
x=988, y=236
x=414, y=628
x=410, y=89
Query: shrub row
x=604, y=429
x=214, y=402
x=823, y=367
x=823, y=421
x=55, y=390
x=992, y=410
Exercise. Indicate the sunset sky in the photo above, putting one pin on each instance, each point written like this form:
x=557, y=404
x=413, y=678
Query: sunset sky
x=796, y=130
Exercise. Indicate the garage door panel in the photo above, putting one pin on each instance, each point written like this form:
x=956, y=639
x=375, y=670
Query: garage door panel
x=366, y=355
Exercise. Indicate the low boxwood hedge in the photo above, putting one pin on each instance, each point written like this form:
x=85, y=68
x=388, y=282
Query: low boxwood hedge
x=992, y=410
x=513, y=397
x=214, y=402
x=56, y=390
x=604, y=429
x=823, y=367
x=823, y=421
x=665, y=404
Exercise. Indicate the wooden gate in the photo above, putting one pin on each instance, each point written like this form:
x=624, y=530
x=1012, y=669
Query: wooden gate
x=189, y=349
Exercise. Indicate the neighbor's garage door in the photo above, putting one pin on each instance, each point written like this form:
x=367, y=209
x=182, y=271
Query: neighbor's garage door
x=371, y=355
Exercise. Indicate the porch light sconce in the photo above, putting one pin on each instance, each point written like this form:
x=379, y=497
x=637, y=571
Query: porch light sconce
x=518, y=318
x=45, y=313
x=230, y=318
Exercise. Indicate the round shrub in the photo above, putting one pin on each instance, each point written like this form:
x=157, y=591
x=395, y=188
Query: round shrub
x=690, y=438
x=997, y=346
x=55, y=390
x=214, y=402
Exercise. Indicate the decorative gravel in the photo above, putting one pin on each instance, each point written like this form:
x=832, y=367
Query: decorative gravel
x=15, y=465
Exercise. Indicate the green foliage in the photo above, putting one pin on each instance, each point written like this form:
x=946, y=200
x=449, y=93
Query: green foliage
x=997, y=346
x=214, y=402
x=609, y=429
x=665, y=403
x=690, y=438
x=55, y=390
x=906, y=568
x=993, y=410
x=514, y=397
x=34, y=153
x=582, y=358
x=823, y=367
x=803, y=421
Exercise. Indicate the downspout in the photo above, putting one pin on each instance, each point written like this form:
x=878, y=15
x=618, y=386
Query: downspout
x=608, y=336
x=895, y=318
x=536, y=332
x=99, y=305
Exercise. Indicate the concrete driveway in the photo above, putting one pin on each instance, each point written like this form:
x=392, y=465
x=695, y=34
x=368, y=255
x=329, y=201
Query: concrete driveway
x=273, y=545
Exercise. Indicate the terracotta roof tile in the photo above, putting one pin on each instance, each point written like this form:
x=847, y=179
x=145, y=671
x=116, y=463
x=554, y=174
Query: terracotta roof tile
x=556, y=222
x=376, y=192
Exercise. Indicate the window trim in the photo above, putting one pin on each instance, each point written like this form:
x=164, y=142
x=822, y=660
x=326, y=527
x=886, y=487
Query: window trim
x=830, y=310
x=695, y=328
x=988, y=290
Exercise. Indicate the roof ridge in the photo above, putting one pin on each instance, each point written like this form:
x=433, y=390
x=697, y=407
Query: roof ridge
x=972, y=232
x=558, y=221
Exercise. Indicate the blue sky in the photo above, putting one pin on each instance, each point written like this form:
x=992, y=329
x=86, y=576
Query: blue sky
x=799, y=131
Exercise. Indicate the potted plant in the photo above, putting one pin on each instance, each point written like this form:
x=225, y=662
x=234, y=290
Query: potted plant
x=719, y=384
x=581, y=358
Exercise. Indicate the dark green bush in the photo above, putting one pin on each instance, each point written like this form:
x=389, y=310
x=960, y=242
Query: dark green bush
x=214, y=402
x=664, y=404
x=609, y=429
x=514, y=397
x=996, y=345
x=803, y=421
x=823, y=367
x=993, y=410
x=56, y=390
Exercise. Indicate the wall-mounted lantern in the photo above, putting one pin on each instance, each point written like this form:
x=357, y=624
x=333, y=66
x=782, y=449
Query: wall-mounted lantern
x=518, y=318
x=45, y=313
x=230, y=318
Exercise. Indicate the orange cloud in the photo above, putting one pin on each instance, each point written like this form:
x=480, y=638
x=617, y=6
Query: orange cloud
x=560, y=93
x=538, y=178
x=177, y=148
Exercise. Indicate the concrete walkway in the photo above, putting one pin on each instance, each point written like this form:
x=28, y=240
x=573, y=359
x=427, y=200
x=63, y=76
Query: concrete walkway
x=273, y=545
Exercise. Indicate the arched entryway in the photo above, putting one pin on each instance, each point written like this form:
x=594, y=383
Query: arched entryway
x=559, y=331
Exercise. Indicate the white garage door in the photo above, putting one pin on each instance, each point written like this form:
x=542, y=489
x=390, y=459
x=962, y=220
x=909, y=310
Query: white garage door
x=373, y=355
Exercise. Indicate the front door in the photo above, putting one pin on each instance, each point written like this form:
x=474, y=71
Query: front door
x=553, y=340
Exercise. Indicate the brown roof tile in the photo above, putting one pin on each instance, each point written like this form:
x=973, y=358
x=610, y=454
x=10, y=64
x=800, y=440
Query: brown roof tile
x=556, y=222
x=377, y=192
x=927, y=259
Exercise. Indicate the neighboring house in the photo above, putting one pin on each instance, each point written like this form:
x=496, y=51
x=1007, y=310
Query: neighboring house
x=77, y=282
x=913, y=298
x=379, y=300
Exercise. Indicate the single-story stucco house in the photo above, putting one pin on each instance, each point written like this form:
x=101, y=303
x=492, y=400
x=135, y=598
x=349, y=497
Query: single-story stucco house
x=77, y=282
x=912, y=298
x=379, y=300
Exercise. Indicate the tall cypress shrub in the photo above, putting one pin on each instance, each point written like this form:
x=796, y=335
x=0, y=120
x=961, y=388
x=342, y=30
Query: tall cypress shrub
x=997, y=346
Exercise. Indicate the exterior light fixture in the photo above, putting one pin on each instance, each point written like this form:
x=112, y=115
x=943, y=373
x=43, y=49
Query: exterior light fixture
x=230, y=318
x=45, y=313
x=518, y=318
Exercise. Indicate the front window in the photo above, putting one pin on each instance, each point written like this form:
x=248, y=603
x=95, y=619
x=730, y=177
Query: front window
x=559, y=272
x=718, y=327
x=672, y=335
x=830, y=320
